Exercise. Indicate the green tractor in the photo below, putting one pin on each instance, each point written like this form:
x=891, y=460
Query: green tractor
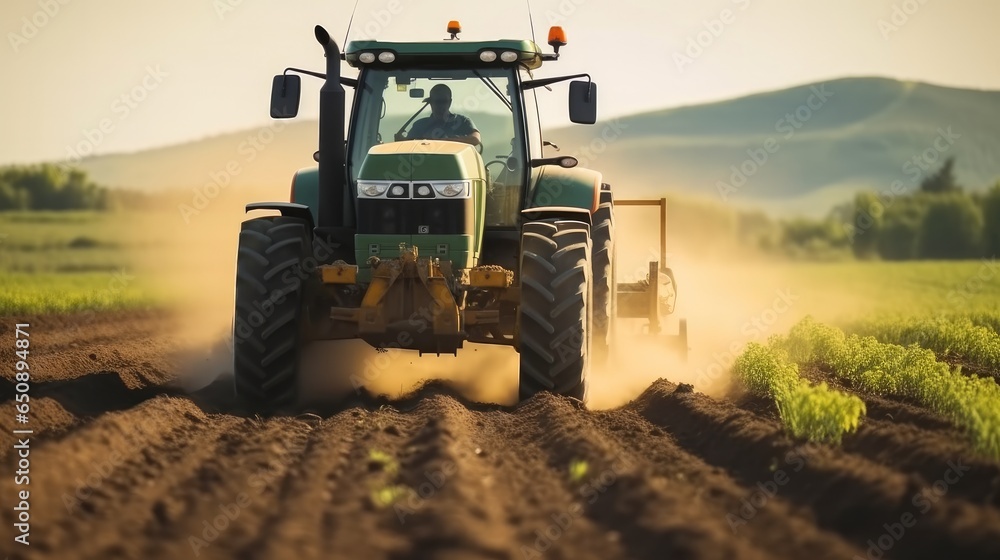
x=426, y=234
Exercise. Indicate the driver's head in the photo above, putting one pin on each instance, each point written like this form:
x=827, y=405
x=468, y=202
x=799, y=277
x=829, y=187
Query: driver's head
x=440, y=100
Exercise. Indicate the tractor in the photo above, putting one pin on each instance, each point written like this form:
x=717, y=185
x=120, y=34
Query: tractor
x=410, y=240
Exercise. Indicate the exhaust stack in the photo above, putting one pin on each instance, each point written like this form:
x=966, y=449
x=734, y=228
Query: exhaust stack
x=335, y=204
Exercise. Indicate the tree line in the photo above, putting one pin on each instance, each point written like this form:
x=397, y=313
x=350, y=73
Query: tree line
x=53, y=187
x=939, y=221
x=49, y=187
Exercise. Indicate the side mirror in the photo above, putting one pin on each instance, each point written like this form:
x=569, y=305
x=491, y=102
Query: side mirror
x=286, y=90
x=583, y=102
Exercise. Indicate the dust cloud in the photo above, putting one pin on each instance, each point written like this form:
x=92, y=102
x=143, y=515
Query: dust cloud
x=191, y=265
x=728, y=296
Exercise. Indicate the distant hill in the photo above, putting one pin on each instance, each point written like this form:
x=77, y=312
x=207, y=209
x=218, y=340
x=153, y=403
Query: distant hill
x=860, y=136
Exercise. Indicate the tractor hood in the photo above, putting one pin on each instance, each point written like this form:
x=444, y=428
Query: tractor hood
x=425, y=193
x=422, y=160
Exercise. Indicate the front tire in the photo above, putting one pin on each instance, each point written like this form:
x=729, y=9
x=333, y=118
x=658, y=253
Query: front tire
x=554, y=316
x=602, y=257
x=270, y=320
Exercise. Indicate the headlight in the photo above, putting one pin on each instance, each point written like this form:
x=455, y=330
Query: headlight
x=451, y=189
x=371, y=190
x=508, y=56
x=423, y=190
x=386, y=57
x=487, y=56
x=367, y=57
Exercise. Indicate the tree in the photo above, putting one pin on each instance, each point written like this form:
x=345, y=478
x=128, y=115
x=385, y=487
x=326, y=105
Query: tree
x=952, y=228
x=867, y=223
x=943, y=180
x=897, y=239
x=991, y=221
x=11, y=198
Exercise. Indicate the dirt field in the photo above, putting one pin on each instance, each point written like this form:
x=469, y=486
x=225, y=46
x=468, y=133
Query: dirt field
x=125, y=465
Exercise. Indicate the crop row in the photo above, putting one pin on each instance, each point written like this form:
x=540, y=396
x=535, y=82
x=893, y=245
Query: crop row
x=814, y=412
x=970, y=402
x=987, y=319
x=973, y=339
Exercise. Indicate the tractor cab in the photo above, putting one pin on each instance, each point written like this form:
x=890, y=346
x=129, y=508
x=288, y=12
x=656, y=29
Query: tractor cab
x=477, y=106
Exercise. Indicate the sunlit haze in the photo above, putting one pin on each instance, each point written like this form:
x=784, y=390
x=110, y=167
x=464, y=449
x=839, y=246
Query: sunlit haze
x=165, y=73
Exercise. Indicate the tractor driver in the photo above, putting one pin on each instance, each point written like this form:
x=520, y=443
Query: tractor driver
x=443, y=124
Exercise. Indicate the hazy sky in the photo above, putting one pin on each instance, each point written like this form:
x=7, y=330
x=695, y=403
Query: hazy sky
x=156, y=73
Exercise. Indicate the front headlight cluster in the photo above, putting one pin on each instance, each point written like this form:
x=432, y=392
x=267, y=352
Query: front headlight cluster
x=421, y=190
x=452, y=190
x=371, y=190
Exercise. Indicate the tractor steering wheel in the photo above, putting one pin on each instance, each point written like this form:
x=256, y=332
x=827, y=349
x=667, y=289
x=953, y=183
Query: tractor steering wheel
x=496, y=161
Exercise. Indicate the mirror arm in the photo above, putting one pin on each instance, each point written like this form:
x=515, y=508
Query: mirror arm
x=346, y=81
x=532, y=84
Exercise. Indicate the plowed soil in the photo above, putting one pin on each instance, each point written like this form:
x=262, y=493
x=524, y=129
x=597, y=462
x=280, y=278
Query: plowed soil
x=126, y=465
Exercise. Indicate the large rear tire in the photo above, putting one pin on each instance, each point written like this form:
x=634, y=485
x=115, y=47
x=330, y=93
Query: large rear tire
x=270, y=322
x=554, y=316
x=602, y=257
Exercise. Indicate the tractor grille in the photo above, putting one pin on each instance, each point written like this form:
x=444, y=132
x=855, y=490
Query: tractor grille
x=415, y=216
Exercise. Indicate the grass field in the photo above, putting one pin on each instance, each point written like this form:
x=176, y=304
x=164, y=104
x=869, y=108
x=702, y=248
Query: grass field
x=59, y=262
x=72, y=261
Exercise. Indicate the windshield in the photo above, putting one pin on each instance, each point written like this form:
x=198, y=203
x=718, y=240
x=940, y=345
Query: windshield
x=396, y=105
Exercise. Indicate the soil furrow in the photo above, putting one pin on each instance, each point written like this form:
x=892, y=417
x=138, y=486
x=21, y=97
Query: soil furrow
x=909, y=449
x=327, y=511
x=672, y=474
x=451, y=506
x=859, y=499
x=228, y=500
x=670, y=489
x=543, y=509
x=105, y=475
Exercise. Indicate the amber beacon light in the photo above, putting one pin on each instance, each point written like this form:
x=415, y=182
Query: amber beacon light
x=557, y=37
